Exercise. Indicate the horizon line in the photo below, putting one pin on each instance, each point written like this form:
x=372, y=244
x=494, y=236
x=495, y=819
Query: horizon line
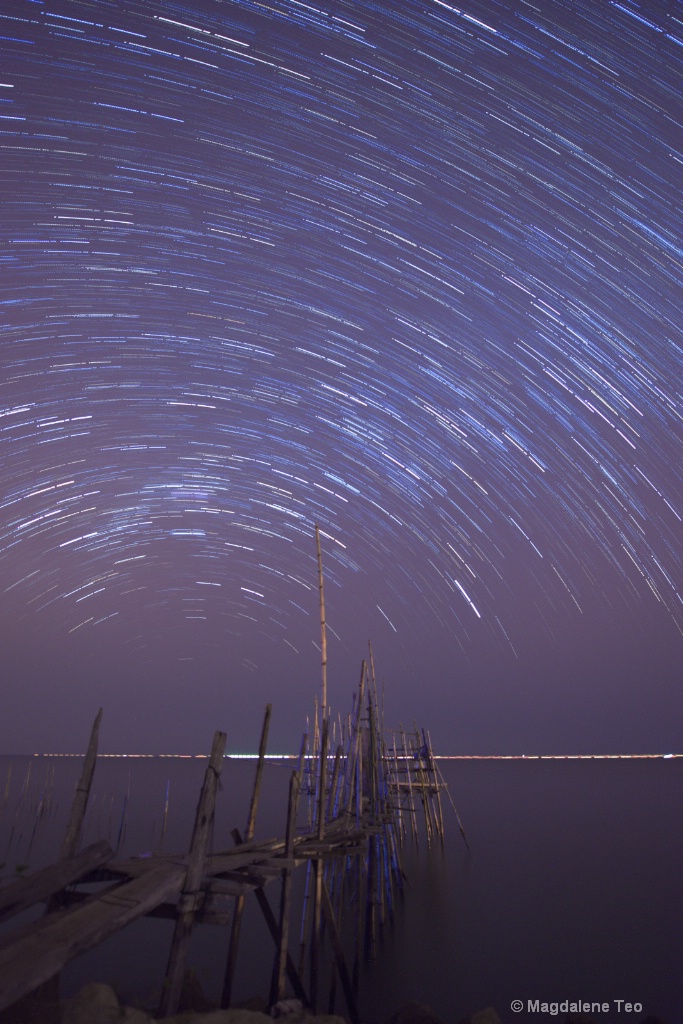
x=437, y=757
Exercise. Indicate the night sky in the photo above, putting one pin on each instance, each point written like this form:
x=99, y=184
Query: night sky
x=407, y=270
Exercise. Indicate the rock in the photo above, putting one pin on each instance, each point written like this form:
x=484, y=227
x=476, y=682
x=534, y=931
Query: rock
x=39, y=1007
x=255, y=1003
x=132, y=1015
x=232, y=1016
x=414, y=1013
x=311, y=1018
x=487, y=1016
x=94, y=1004
x=287, y=1006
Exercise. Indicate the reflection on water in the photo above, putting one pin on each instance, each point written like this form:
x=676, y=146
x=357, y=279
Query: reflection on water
x=570, y=890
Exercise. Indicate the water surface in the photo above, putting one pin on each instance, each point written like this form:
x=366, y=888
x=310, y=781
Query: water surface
x=571, y=888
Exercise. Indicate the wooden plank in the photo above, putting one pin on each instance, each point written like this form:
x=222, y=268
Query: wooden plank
x=201, y=834
x=252, y=879
x=45, y=883
x=227, y=860
x=43, y=951
x=226, y=887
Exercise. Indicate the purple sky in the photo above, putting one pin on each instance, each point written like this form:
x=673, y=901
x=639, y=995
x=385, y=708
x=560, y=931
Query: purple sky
x=410, y=271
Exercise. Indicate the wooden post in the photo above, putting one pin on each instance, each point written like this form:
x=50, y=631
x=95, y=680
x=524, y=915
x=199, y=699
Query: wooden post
x=277, y=987
x=72, y=837
x=339, y=955
x=49, y=991
x=187, y=904
x=251, y=822
x=271, y=923
x=238, y=911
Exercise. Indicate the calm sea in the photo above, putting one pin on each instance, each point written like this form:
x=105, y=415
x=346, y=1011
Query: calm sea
x=571, y=888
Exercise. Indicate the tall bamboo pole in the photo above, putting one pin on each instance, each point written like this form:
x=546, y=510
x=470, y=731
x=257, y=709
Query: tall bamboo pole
x=323, y=629
x=319, y=865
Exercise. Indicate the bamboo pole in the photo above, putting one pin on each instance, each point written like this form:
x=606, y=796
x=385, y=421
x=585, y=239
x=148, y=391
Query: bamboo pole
x=332, y=799
x=354, y=741
x=323, y=629
x=187, y=905
x=423, y=788
x=432, y=765
x=455, y=809
x=411, y=802
x=238, y=911
x=397, y=791
x=318, y=868
x=165, y=821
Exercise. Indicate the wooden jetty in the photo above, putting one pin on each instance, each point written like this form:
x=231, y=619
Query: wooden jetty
x=362, y=799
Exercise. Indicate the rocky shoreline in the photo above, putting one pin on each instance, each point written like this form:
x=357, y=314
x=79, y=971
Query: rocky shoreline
x=98, y=1004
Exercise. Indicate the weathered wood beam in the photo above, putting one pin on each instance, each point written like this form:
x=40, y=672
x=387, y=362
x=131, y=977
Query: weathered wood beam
x=238, y=913
x=42, y=884
x=72, y=836
x=43, y=951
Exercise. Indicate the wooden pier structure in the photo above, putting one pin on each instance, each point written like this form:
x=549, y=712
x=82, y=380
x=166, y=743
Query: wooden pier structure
x=360, y=800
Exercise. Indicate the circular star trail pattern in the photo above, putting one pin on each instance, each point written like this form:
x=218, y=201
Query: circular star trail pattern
x=410, y=271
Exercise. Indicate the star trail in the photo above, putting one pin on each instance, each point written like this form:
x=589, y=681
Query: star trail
x=410, y=271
